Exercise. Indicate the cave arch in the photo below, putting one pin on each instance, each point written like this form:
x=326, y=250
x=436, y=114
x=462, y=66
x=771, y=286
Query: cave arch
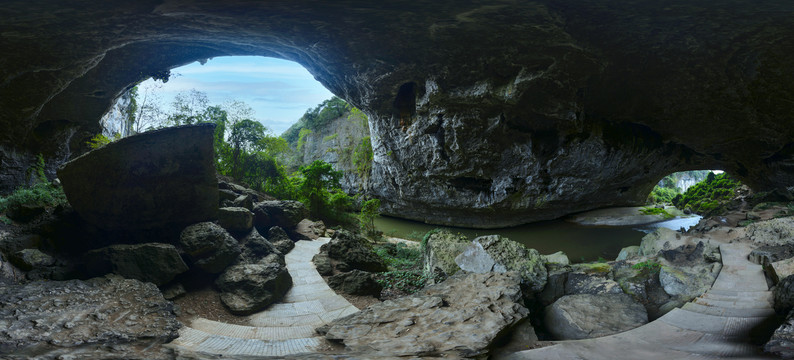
x=711, y=99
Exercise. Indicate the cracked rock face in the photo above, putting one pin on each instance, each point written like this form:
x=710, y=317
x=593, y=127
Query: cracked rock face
x=108, y=317
x=483, y=113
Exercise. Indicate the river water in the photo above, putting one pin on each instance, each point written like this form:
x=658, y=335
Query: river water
x=580, y=243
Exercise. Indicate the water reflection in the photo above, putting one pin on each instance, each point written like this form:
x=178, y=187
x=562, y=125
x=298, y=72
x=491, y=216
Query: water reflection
x=581, y=243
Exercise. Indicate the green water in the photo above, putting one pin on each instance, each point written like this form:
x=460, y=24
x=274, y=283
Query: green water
x=580, y=243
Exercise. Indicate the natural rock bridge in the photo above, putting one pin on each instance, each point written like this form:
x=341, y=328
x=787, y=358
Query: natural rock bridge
x=484, y=113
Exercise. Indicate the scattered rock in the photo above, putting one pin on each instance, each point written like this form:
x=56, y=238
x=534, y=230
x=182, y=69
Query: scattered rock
x=355, y=282
x=656, y=241
x=24, y=213
x=557, y=259
x=152, y=262
x=209, y=247
x=782, y=341
x=145, y=181
x=688, y=281
x=248, y=288
x=283, y=213
x=768, y=254
x=256, y=248
x=235, y=219
x=588, y=316
x=441, y=249
x=460, y=317
x=351, y=251
x=245, y=201
x=310, y=229
x=225, y=195
x=28, y=259
x=779, y=270
x=495, y=253
x=53, y=316
x=784, y=295
x=174, y=291
x=278, y=237
x=629, y=252
x=323, y=264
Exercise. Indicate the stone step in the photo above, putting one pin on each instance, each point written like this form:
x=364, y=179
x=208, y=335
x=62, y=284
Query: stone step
x=253, y=332
x=720, y=346
x=739, y=293
x=728, y=312
x=759, y=296
x=203, y=342
x=711, y=324
x=734, y=304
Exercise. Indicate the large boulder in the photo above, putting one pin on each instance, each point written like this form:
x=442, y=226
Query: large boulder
x=311, y=230
x=255, y=248
x=151, y=180
x=279, y=238
x=495, y=253
x=588, y=316
x=209, y=247
x=248, y=288
x=688, y=281
x=283, y=213
x=28, y=259
x=784, y=295
x=775, y=232
x=118, y=318
x=782, y=341
x=352, y=251
x=440, y=250
x=152, y=262
x=460, y=317
x=355, y=282
x=235, y=219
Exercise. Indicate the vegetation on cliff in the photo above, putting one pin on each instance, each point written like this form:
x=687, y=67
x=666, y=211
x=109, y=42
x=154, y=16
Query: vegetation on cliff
x=710, y=196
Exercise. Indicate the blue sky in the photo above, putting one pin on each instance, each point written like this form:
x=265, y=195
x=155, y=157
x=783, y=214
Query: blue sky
x=279, y=91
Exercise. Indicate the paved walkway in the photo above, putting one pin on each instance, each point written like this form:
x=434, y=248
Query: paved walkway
x=716, y=325
x=286, y=328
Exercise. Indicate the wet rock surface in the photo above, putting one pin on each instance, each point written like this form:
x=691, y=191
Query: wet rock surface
x=461, y=316
x=151, y=180
x=588, y=316
x=108, y=317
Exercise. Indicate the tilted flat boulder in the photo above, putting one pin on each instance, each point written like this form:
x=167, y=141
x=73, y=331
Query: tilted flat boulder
x=586, y=316
x=146, y=181
x=460, y=317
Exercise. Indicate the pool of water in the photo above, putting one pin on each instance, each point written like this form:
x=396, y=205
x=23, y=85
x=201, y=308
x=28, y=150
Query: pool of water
x=580, y=243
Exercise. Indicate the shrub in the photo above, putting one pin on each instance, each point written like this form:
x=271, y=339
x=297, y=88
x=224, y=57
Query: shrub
x=710, y=196
x=40, y=194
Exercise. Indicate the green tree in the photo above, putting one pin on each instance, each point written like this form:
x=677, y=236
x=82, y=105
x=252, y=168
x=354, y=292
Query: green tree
x=318, y=178
x=370, y=210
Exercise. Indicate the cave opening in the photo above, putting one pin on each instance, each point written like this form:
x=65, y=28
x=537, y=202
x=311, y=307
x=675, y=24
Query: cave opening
x=271, y=91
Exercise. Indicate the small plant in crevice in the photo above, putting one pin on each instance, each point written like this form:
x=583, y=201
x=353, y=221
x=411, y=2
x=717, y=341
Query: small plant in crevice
x=647, y=267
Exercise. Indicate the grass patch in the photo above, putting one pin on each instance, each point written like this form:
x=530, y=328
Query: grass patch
x=405, y=275
x=647, y=267
x=656, y=211
x=40, y=194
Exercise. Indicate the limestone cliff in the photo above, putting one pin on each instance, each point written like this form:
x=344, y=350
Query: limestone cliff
x=336, y=143
x=484, y=113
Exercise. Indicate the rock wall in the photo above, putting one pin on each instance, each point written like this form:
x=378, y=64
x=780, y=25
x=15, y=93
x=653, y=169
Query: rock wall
x=335, y=143
x=483, y=113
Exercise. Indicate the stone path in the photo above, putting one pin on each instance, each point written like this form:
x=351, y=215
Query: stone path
x=716, y=325
x=286, y=328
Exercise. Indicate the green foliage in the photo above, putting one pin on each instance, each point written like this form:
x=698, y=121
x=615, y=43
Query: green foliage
x=37, y=170
x=330, y=137
x=661, y=195
x=100, y=140
x=405, y=274
x=302, y=137
x=710, y=196
x=316, y=117
x=370, y=210
x=656, y=211
x=423, y=243
x=647, y=267
x=362, y=158
x=40, y=194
